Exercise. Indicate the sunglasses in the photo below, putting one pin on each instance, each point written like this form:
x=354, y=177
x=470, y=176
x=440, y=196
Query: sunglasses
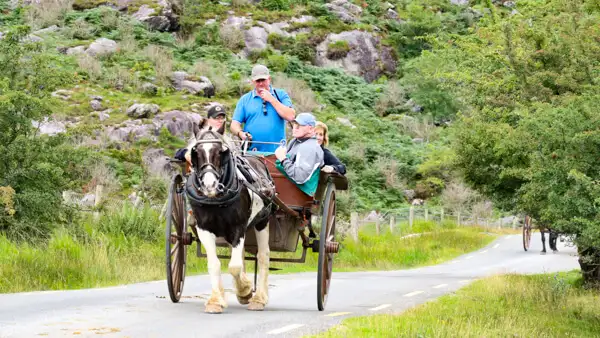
x=265, y=108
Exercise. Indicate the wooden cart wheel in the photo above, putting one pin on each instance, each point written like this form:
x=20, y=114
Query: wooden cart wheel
x=327, y=247
x=176, y=249
x=527, y=233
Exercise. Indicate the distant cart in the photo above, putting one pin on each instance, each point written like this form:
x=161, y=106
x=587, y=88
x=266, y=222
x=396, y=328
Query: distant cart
x=291, y=222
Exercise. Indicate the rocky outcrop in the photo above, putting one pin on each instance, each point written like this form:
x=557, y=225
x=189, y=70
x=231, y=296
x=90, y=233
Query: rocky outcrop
x=198, y=86
x=345, y=10
x=162, y=19
x=102, y=47
x=142, y=110
x=178, y=123
x=366, y=57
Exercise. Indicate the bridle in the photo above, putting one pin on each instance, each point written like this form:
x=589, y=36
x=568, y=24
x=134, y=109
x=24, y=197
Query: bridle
x=208, y=167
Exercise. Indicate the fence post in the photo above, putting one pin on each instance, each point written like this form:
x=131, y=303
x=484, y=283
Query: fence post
x=458, y=218
x=354, y=225
x=377, y=225
x=442, y=215
x=426, y=214
x=411, y=217
x=391, y=224
x=98, y=199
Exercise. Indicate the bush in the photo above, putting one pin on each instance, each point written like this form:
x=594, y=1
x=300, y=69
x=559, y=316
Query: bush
x=277, y=63
x=140, y=222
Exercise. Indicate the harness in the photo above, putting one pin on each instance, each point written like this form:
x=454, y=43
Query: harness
x=230, y=185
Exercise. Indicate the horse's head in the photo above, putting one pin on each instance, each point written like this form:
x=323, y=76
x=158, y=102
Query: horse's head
x=207, y=159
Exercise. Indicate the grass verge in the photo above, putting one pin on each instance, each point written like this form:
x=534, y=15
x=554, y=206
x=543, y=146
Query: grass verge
x=546, y=305
x=116, y=253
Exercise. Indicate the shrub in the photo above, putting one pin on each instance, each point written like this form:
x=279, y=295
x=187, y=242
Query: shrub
x=302, y=96
x=232, y=38
x=46, y=13
x=277, y=63
x=275, y=5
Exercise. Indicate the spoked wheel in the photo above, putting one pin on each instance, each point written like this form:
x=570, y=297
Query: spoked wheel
x=526, y=233
x=176, y=235
x=327, y=247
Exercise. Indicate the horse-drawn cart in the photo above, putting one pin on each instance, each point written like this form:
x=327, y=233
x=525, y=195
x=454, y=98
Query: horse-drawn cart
x=292, y=222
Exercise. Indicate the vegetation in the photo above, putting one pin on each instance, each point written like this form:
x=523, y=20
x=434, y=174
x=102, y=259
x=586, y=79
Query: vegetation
x=128, y=247
x=546, y=305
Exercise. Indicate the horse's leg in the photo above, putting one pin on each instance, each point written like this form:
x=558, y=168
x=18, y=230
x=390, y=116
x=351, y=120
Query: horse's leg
x=241, y=282
x=543, y=242
x=216, y=302
x=553, y=238
x=261, y=297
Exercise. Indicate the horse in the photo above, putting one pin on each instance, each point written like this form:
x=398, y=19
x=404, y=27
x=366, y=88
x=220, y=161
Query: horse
x=224, y=204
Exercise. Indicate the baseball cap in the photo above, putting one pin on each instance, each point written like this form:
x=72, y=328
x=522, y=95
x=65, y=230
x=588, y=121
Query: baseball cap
x=260, y=72
x=215, y=111
x=306, y=119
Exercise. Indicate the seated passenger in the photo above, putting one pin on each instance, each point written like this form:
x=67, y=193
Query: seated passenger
x=331, y=162
x=303, y=155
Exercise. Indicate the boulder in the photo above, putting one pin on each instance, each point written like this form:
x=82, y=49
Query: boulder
x=184, y=82
x=164, y=19
x=255, y=39
x=50, y=127
x=101, y=47
x=366, y=57
x=96, y=105
x=345, y=10
x=155, y=160
x=75, y=50
x=142, y=110
x=178, y=123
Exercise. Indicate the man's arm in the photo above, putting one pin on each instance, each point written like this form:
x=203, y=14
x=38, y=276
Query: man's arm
x=237, y=119
x=286, y=113
x=307, y=160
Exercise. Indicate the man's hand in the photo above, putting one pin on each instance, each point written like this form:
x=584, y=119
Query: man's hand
x=244, y=136
x=327, y=169
x=280, y=153
x=266, y=95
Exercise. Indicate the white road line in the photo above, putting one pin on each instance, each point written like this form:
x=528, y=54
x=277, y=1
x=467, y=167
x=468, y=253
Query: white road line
x=440, y=286
x=469, y=257
x=413, y=293
x=286, y=328
x=380, y=307
x=497, y=245
x=484, y=251
x=337, y=314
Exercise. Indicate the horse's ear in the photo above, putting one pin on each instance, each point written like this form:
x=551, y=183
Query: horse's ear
x=222, y=129
x=203, y=124
x=196, y=129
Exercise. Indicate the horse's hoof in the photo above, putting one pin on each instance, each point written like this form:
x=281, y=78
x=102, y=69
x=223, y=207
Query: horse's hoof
x=543, y=253
x=213, y=308
x=256, y=307
x=555, y=251
x=245, y=299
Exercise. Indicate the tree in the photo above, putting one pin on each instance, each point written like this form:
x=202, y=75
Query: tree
x=35, y=168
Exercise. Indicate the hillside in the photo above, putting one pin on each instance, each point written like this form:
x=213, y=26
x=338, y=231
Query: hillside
x=341, y=60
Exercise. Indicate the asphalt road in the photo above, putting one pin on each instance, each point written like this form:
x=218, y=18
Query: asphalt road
x=145, y=310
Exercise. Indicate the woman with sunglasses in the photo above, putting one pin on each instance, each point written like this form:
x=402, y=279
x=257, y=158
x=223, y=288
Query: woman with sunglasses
x=263, y=112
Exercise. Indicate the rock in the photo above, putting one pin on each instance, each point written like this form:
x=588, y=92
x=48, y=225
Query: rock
x=102, y=46
x=142, y=110
x=409, y=194
x=459, y=2
x=210, y=22
x=96, y=105
x=104, y=115
x=237, y=22
x=149, y=89
x=156, y=161
x=97, y=98
x=417, y=140
x=178, y=123
x=345, y=122
x=203, y=87
x=366, y=57
x=62, y=94
x=391, y=14
x=275, y=28
x=33, y=38
x=50, y=127
x=303, y=19
x=164, y=20
x=75, y=50
x=50, y=29
x=344, y=10
x=509, y=4
x=88, y=200
x=255, y=39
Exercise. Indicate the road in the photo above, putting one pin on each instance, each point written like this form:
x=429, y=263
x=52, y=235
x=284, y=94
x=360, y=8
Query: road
x=145, y=310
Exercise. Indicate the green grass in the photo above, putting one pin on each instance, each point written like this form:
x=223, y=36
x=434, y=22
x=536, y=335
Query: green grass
x=544, y=305
x=114, y=252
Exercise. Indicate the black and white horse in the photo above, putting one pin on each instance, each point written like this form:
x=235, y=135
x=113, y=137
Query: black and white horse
x=224, y=205
x=552, y=240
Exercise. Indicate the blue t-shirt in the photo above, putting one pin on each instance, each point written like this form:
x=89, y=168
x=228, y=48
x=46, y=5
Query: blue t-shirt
x=270, y=128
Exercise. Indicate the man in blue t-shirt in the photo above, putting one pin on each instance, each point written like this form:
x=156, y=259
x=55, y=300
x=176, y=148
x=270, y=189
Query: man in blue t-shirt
x=263, y=111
